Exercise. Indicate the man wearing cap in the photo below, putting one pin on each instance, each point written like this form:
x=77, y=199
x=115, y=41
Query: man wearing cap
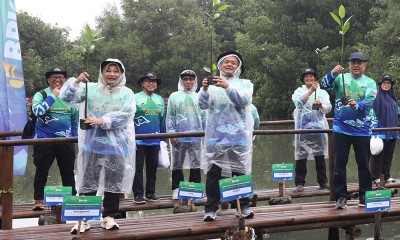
x=354, y=118
x=312, y=103
x=149, y=118
x=185, y=115
x=229, y=129
x=54, y=119
x=387, y=112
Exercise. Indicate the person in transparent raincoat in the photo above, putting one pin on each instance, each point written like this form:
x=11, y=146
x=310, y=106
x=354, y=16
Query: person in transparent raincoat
x=106, y=159
x=314, y=145
x=229, y=129
x=185, y=115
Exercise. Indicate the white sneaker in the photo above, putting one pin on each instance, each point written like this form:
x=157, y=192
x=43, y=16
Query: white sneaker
x=175, y=193
x=84, y=226
x=390, y=180
x=109, y=223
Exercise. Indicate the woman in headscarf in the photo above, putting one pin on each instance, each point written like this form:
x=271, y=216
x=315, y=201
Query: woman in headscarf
x=107, y=149
x=387, y=112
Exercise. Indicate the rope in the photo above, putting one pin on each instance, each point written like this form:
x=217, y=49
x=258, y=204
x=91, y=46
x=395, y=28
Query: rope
x=10, y=190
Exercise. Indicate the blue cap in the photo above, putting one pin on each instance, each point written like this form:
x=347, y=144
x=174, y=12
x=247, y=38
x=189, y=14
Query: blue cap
x=357, y=56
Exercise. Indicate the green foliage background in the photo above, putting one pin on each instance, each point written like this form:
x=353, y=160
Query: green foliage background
x=277, y=39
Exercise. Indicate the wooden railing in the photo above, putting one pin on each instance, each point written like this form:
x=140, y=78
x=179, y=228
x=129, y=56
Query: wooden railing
x=7, y=150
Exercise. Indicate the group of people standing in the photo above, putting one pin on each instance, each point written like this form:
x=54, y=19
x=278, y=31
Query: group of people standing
x=359, y=106
x=111, y=160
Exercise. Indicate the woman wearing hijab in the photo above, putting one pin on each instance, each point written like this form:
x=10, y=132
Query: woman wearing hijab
x=106, y=150
x=387, y=112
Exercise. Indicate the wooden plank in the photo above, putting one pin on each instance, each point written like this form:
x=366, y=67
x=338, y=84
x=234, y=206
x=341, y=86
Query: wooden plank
x=280, y=218
x=166, y=202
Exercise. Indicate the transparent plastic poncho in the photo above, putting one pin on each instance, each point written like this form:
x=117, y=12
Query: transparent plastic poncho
x=229, y=127
x=313, y=144
x=106, y=159
x=185, y=115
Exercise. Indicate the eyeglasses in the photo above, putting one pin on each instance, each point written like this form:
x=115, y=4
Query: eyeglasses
x=57, y=77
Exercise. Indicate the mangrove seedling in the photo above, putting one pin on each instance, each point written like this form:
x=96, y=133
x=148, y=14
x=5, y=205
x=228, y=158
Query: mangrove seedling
x=216, y=10
x=318, y=52
x=89, y=38
x=344, y=27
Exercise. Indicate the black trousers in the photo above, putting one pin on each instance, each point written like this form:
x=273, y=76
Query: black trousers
x=43, y=158
x=110, y=203
x=383, y=161
x=212, y=190
x=150, y=153
x=301, y=171
x=177, y=176
x=342, y=144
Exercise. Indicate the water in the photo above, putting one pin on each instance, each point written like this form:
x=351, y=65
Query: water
x=268, y=150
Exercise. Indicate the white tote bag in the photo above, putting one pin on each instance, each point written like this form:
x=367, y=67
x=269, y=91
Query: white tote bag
x=376, y=145
x=163, y=156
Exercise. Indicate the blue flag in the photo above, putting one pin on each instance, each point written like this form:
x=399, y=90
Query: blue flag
x=13, y=114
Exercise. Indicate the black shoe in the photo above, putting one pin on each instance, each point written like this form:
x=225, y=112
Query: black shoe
x=139, y=200
x=361, y=201
x=152, y=197
x=324, y=186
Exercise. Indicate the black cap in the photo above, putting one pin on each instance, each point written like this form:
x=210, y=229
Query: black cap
x=55, y=71
x=308, y=71
x=234, y=53
x=357, y=56
x=151, y=76
x=386, y=77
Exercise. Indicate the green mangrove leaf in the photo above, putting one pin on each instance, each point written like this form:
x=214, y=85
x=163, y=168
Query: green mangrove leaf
x=222, y=8
x=346, y=27
x=214, y=68
x=347, y=20
x=207, y=69
x=89, y=31
x=97, y=32
x=342, y=11
x=336, y=18
x=97, y=39
x=91, y=49
x=216, y=2
x=324, y=48
x=80, y=48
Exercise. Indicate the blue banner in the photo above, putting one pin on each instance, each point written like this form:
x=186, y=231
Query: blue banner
x=13, y=114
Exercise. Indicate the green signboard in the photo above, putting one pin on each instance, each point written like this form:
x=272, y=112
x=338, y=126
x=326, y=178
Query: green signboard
x=282, y=172
x=75, y=208
x=54, y=195
x=236, y=187
x=191, y=190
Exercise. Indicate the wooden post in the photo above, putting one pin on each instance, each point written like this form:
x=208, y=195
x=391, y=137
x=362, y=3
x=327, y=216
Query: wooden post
x=282, y=189
x=6, y=187
x=57, y=211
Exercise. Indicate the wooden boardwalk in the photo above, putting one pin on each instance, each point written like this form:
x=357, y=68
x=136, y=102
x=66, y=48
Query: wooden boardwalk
x=165, y=202
x=268, y=219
